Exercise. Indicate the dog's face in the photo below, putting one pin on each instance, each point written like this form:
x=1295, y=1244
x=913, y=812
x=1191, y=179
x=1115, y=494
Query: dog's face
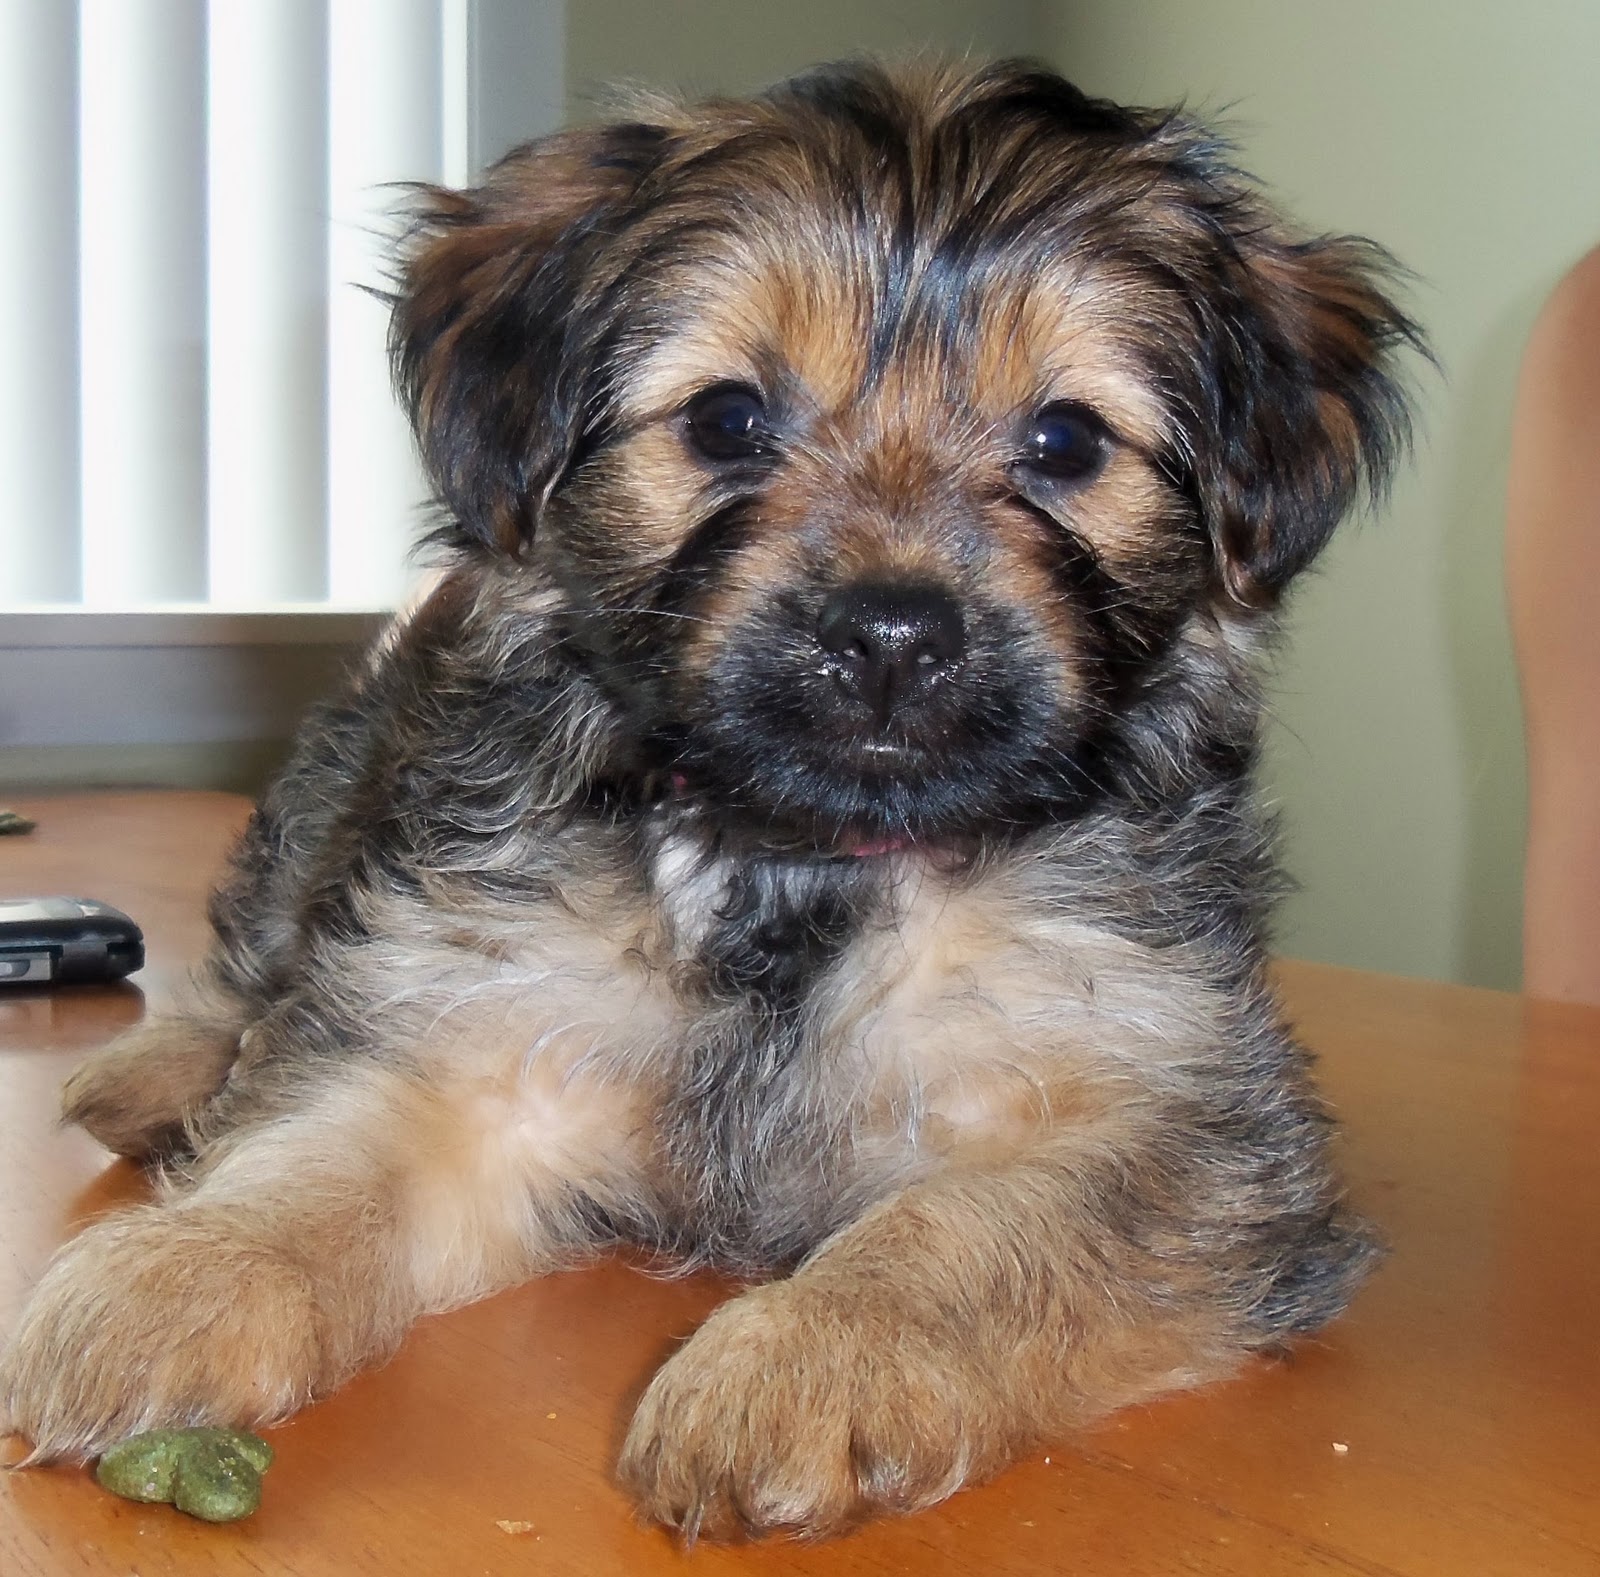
x=887, y=438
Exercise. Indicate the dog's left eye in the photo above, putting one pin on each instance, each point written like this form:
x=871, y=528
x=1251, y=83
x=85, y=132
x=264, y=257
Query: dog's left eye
x=1066, y=442
x=728, y=422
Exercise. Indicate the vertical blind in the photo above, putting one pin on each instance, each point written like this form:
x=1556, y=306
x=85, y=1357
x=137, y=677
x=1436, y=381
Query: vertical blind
x=194, y=399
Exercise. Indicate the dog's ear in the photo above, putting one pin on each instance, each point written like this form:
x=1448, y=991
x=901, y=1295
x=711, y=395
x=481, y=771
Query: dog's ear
x=1307, y=406
x=489, y=338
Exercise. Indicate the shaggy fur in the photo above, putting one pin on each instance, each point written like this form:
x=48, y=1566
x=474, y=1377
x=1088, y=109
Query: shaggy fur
x=809, y=830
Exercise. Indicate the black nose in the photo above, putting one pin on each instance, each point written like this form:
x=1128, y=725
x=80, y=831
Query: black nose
x=891, y=643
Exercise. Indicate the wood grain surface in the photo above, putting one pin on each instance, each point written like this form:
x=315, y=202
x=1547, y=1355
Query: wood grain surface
x=1449, y=1424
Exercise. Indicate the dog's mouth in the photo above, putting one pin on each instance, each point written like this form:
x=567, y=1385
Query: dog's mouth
x=800, y=789
x=799, y=735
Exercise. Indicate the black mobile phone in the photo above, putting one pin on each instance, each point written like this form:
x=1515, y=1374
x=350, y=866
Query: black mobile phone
x=57, y=941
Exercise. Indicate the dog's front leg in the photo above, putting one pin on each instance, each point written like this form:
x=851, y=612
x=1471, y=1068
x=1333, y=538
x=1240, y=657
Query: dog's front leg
x=302, y=1249
x=921, y=1349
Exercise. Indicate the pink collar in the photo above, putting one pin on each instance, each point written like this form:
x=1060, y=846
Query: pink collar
x=871, y=846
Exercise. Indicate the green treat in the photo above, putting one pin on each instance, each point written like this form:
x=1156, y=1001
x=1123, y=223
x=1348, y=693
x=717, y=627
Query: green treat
x=12, y=821
x=214, y=1474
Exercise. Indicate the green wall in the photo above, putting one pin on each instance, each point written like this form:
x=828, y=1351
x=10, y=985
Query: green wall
x=1466, y=137
x=727, y=46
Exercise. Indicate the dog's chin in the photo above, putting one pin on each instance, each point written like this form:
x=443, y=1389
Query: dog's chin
x=874, y=799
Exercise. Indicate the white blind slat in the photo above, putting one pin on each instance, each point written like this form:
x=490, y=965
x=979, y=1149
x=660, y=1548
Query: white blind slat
x=455, y=78
x=267, y=301
x=195, y=404
x=142, y=300
x=38, y=274
x=384, y=125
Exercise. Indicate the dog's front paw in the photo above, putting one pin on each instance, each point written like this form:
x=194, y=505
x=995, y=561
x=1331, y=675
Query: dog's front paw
x=154, y=1318
x=788, y=1412
x=135, y=1094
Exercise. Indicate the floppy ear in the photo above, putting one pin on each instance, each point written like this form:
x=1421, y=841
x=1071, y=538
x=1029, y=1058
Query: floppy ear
x=489, y=341
x=1308, y=406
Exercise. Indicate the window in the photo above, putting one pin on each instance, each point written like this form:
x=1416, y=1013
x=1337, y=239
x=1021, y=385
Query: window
x=208, y=492
x=195, y=409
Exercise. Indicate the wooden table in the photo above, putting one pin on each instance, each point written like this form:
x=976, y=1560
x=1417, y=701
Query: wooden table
x=1449, y=1424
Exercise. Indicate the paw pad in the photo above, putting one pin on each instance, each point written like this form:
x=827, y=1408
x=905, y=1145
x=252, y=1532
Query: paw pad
x=214, y=1474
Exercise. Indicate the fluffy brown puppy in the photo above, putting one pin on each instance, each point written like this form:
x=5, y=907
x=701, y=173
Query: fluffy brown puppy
x=810, y=828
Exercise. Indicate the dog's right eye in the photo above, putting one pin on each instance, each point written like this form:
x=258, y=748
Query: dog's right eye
x=1066, y=442
x=728, y=422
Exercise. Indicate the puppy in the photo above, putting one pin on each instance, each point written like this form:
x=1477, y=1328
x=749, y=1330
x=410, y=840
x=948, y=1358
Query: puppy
x=808, y=831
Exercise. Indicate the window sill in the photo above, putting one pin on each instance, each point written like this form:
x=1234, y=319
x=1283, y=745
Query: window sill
x=193, y=696
x=187, y=626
